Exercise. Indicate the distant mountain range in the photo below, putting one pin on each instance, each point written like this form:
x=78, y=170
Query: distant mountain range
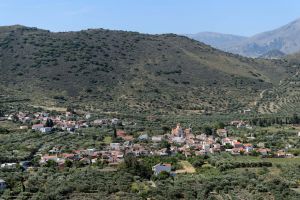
x=285, y=40
x=217, y=40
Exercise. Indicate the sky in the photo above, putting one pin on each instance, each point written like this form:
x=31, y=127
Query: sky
x=240, y=17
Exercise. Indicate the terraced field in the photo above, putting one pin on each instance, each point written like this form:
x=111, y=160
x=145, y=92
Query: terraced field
x=284, y=99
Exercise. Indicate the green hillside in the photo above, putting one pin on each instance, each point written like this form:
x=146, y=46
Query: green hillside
x=127, y=71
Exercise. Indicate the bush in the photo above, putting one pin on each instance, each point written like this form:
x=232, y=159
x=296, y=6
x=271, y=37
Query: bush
x=3, y=131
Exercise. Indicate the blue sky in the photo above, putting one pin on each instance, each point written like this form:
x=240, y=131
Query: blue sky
x=242, y=17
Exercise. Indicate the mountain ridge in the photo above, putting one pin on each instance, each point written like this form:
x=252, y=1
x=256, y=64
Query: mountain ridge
x=284, y=39
x=128, y=71
x=217, y=40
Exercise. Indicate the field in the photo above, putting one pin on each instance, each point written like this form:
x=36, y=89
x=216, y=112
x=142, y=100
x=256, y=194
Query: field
x=8, y=125
x=20, y=146
x=281, y=161
x=107, y=140
x=187, y=168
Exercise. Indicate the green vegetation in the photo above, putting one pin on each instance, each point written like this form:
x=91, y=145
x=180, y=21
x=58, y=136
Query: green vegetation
x=127, y=72
x=199, y=177
x=151, y=82
x=207, y=183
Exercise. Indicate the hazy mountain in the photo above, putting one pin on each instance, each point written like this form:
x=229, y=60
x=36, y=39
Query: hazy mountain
x=273, y=54
x=128, y=71
x=285, y=39
x=217, y=40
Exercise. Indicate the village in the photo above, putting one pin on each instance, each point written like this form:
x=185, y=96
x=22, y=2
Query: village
x=177, y=141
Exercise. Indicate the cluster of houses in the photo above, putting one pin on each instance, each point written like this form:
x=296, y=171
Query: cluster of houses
x=112, y=155
x=179, y=140
x=240, y=124
x=46, y=123
x=185, y=142
x=22, y=164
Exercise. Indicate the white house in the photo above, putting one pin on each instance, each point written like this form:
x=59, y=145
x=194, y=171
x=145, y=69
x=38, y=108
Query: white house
x=44, y=159
x=23, y=127
x=157, y=138
x=37, y=127
x=71, y=129
x=222, y=132
x=88, y=116
x=8, y=165
x=206, y=147
x=178, y=140
x=248, y=147
x=115, y=121
x=246, y=111
x=143, y=137
x=46, y=129
x=115, y=146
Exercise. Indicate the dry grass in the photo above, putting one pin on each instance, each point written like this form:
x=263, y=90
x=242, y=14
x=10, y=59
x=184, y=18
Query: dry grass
x=187, y=168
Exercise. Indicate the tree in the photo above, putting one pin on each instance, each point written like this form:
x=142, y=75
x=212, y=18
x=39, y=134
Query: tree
x=228, y=146
x=70, y=109
x=114, y=132
x=68, y=163
x=51, y=164
x=3, y=131
x=166, y=129
x=167, y=145
x=219, y=125
x=131, y=161
x=1, y=113
x=295, y=119
x=132, y=164
x=198, y=163
x=242, y=152
x=254, y=153
x=49, y=123
x=163, y=175
x=207, y=130
x=15, y=118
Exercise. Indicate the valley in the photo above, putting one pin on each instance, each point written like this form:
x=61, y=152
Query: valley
x=102, y=114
